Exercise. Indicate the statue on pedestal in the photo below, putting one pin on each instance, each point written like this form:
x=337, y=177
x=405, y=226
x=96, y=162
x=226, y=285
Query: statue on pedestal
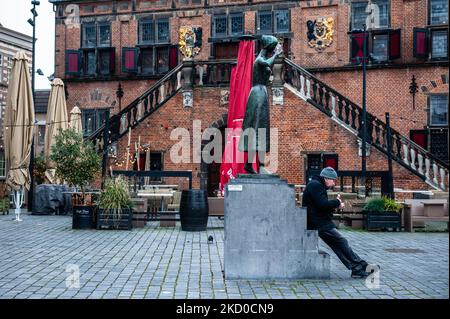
x=257, y=114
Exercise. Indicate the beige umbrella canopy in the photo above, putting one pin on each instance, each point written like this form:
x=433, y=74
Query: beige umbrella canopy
x=18, y=128
x=56, y=120
x=75, y=119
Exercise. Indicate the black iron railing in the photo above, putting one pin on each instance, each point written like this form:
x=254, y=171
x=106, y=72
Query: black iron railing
x=404, y=151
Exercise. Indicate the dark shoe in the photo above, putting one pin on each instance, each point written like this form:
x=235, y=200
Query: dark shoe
x=249, y=168
x=359, y=273
x=364, y=264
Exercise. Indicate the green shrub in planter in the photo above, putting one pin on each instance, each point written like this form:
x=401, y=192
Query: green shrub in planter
x=382, y=204
x=391, y=205
x=382, y=213
x=76, y=160
x=374, y=205
x=77, y=163
x=115, y=205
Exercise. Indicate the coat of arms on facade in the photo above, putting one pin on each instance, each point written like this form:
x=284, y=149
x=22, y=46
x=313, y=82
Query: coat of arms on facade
x=320, y=33
x=190, y=42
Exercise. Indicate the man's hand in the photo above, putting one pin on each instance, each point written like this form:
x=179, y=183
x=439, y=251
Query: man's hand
x=342, y=205
x=278, y=49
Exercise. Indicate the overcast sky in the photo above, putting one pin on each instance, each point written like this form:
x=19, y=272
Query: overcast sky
x=14, y=15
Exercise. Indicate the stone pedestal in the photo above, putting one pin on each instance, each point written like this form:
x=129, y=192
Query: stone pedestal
x=265, y=232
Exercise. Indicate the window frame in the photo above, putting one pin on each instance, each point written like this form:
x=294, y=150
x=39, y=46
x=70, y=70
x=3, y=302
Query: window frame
x=215, y=18
x=258, y=21
x=143, y=21
x=429, y=16
x=99, y=25
x=157, y=23
x=230, y=26
x=430, y=44
x=275, y=21
x=381, y=27
x=371, y=46
x=98, y=115
x=155, y=31
x=83, y=35
x=430, y=124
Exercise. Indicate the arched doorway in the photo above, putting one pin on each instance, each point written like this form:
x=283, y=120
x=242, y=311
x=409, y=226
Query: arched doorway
x=210, y=173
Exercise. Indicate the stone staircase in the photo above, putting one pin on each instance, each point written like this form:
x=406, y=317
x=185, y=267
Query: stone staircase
x=349, y=116
x=138, y=110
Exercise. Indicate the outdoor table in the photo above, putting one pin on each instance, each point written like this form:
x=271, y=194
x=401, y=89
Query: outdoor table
x=156, y=195
x=434, y=208
x=160, y=186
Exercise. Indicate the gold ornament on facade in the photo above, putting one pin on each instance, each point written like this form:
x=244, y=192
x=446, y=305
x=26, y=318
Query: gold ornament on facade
x=320, y=33
x=190, y=41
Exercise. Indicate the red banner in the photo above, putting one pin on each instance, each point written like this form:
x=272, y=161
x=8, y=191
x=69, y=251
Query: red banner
x=233, y=160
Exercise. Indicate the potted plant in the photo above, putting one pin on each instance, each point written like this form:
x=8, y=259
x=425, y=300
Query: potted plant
x=382, y=213
x=115, y=205
x=77, y=163
x=39, y=168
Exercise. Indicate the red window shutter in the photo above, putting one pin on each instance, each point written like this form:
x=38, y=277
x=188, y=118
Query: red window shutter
x=330, y=160
x=129, y=59
x=419, y=137
x=173, y=57
x=421, y=43
x=357, y=49
x=394, y=44
x=142, y=161
x=73, y=62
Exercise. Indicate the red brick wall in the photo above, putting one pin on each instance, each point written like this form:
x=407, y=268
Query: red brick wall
x=302, y=129
x=404, y=14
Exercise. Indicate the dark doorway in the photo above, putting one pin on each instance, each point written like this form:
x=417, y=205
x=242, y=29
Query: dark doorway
x=316, y=162
x=214, y=170
x=227, y=50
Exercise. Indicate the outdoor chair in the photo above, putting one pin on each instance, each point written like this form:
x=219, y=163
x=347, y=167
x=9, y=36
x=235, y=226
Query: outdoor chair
x=175, y=204
x=4, y=205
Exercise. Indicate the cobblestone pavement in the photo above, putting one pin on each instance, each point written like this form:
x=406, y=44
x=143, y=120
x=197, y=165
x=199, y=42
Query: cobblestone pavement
x=39, y=256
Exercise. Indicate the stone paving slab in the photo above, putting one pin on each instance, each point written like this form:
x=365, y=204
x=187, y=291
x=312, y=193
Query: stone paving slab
x=40, y=256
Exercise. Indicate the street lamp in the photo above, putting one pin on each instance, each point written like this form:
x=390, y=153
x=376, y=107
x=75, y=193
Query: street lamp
x=364, y=115
x=32, y=22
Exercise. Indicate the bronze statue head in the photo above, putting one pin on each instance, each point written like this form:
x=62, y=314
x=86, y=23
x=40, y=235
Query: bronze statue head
x=269, y=43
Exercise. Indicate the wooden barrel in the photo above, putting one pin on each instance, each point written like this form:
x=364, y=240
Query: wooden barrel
x=194, y=210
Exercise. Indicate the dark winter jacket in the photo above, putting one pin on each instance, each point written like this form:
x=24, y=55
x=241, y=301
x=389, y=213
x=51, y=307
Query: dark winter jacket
x=320, y=209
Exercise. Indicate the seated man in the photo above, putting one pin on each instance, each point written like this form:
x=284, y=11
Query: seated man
x=320, y=213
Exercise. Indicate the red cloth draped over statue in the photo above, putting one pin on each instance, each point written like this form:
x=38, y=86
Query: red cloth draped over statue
x=233, y=160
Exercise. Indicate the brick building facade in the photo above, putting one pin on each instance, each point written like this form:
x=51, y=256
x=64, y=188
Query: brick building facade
x=103, y=44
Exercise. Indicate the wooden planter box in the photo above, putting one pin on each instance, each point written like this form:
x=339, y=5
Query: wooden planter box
x=105, y=220
x=382, y=220
x=83, y=217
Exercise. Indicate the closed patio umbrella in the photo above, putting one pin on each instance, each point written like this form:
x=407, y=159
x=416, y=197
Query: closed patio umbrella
x=18, y=129
x=56, y=120
x=75, y=119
